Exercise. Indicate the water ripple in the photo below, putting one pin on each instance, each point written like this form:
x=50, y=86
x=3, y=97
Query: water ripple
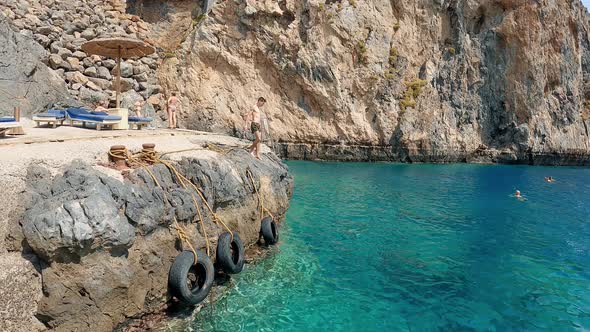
x=374, y=247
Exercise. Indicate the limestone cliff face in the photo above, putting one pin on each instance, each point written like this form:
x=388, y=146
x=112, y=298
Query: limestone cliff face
x=419, y=80
x=416, y=80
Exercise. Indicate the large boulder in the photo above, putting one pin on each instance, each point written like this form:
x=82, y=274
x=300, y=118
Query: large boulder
x=26, y=82
x=76, y=217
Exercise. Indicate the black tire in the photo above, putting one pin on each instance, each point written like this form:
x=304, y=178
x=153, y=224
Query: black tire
x=191, y=283
x=269, y=231
x=230, y=254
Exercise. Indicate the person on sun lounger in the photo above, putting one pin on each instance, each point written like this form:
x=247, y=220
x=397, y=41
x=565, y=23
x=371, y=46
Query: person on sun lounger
x=100, y=106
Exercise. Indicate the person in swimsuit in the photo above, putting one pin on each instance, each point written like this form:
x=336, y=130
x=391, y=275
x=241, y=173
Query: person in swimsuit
x=549, y=179
x=137, y=107
x=253, y=119
x=173, y=106
x=100, y=106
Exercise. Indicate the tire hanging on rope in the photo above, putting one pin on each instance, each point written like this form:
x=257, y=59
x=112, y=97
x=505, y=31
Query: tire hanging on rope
x=230, y=253
x=269, y=231
x=189, y=282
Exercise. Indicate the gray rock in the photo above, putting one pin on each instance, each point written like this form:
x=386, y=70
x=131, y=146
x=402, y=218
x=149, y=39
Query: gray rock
x=55, y=46
x=55, y=61
x=46, y=30
x=43, y=40
x=76, y=77
x=93, y=86
x=109, y=63
x=143, y=77
x=80, y=217
x=88, y=62
x=126, y=70
x=153, y=89
x=103, y=72
x=139, y=69
x=101, y=83
x=88, y=34
x=91, y=96
x=126, y=84
x=91, y=72
x=64, y=53
x=150, y=62
x=23, y=73
x=80, y=55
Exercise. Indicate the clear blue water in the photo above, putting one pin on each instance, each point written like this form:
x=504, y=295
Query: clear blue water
x=386, y=247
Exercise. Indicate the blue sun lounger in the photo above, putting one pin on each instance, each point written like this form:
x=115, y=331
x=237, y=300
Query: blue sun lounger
x=99, y=118
x=52, y=117
x=7, y=123
x=139, y=121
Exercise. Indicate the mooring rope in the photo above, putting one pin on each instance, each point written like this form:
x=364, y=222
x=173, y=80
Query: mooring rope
x=148, y=156
x=260, y=196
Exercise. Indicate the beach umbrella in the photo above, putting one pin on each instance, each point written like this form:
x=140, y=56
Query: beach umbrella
x=118, y=47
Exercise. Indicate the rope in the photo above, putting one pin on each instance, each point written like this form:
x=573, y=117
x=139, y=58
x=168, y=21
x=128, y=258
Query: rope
x=146, y=157
x=141, y=159
x=202, y=225
x=260, y=196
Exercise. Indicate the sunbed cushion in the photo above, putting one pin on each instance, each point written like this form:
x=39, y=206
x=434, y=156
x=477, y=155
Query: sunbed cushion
x=58, y=114
x=139, y=119
x=81, y=114
x=6, y=119
x=99, y=113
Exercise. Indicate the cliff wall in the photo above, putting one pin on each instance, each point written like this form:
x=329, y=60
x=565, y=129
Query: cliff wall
x=420, y=80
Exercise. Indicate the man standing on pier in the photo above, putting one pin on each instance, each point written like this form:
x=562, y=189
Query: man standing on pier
x=253, y=118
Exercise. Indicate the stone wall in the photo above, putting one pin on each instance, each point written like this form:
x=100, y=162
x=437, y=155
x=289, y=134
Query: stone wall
x=61, y=27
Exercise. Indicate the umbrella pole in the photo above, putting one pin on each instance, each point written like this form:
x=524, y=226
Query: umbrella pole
x=119, y=79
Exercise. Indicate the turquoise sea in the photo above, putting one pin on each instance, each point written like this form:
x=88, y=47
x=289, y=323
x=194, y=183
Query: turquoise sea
x=389, y=247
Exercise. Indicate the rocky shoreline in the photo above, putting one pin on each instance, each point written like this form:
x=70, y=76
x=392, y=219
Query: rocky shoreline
x=98, y=244
x=482, y=155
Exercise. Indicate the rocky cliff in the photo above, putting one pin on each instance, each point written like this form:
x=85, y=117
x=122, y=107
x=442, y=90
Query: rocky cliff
x=85, y=246
x=420, y=80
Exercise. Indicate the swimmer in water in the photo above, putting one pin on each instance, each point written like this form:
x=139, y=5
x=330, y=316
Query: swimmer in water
x=518, y=196
x=549, y=179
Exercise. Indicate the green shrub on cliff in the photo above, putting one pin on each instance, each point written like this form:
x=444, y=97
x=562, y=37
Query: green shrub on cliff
x=392, y=56
x=415, y=87
x=451, y=51
x=362, y=53
x=396, y=26
x=413, y=91
x=321, y=7
x=407, y=102
x=352, y=3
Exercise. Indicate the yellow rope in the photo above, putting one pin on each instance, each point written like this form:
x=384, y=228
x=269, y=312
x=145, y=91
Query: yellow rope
x=151, y=157
x=202, y=224
x=144, y=158
x=260, y=196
